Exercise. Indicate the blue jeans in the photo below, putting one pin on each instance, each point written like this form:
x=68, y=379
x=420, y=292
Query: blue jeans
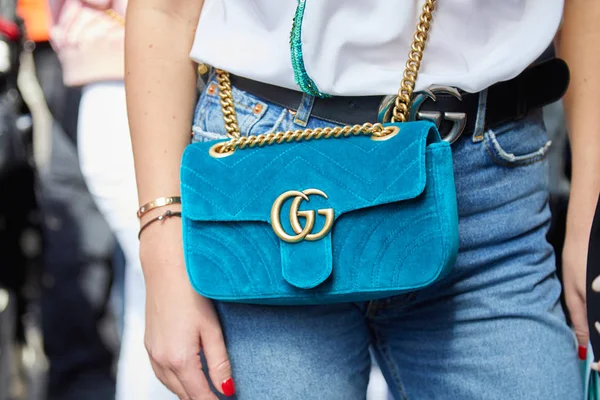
x=493, y=329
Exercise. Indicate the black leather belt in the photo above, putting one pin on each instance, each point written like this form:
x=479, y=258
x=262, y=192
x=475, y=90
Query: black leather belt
x=535, y=87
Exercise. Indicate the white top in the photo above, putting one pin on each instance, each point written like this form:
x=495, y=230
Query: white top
x=360, y=47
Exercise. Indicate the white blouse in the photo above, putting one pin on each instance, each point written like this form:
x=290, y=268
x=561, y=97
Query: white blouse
x=360, y=47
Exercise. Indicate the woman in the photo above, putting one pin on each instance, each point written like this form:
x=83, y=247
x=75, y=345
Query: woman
x=494, y=328
x=88, y=36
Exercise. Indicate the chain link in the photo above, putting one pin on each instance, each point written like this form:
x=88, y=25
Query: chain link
x=227, y=105
x=413, y=64
x=367, y=129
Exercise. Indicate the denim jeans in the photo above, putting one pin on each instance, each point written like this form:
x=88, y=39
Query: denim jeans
x=493, y=329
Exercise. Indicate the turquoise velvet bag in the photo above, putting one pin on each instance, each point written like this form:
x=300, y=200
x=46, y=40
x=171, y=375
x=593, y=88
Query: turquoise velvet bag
x=328, y=215
x=391, y=205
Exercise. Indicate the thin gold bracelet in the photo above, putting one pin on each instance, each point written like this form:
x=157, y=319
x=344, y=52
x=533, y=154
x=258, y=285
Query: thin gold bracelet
x=166, y=215
x=160, y=202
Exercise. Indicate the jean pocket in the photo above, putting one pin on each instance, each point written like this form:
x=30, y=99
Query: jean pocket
x=519, y=143
x=254, y=115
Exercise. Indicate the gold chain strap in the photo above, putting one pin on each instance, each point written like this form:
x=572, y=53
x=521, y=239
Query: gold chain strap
x=413, y=64
x=377, y=131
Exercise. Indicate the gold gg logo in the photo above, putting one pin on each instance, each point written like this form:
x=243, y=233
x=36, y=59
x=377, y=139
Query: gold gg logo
x=295, y=213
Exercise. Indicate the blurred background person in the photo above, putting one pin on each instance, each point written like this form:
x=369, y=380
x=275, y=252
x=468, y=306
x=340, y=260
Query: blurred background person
x=20, y=248
x=78, y=245
x=88, y=36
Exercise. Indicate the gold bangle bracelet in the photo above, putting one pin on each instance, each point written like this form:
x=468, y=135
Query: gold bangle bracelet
x=160, y=202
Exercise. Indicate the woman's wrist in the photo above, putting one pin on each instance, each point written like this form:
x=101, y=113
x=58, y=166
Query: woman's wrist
x=582, y=205
x=161, y=252
x=155, y=212
x=164, y=235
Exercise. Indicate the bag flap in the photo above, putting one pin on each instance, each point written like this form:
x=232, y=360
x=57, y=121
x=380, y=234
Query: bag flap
x=354, y=173
x=301, y=188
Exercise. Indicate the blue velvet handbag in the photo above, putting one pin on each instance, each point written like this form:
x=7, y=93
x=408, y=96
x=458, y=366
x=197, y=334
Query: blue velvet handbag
x=338, y=214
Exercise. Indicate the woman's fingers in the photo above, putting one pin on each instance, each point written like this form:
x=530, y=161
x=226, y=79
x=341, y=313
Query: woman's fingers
x=189, y=373
x=169, y=379
x=217, y=359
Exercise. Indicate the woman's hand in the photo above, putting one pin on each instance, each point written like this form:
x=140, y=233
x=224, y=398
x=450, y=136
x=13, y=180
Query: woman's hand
x=575, y=44
x=574, y=283
x=179, y=322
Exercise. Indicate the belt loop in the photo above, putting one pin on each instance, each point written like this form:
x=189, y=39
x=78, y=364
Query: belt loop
x=480, y=121
x=304, y=110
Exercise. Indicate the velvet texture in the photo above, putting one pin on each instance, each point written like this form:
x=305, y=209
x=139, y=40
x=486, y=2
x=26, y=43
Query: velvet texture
x=395, y=229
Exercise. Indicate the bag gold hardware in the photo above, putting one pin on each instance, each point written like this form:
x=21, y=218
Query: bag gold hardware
x=295, y=213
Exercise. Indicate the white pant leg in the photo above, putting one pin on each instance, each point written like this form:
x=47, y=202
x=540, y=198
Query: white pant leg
x=107, y=164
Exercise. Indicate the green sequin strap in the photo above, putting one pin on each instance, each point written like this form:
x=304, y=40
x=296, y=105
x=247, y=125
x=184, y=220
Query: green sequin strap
x=307, y=85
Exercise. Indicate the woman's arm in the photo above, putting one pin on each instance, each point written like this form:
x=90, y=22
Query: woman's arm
x=161, y=89
x=160, y=81
x=579, y=46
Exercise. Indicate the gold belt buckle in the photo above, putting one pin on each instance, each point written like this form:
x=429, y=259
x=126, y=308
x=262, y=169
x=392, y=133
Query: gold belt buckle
x=459, y=119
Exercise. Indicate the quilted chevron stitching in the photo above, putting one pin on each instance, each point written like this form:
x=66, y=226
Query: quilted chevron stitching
x=380, y=171
x=237, y=226
x=415, y=245
x=409, y=194
x=220, y=238
x=193, y=190
x=192, y=276
x=437, y=216
x=362, y=246
x=317, y=169
x=361, y=148
x=266, y=294
x=269, y=233
x=389, y=240
x=336, y=251
x=348, y=189
x=210, y=184
x=241, y=188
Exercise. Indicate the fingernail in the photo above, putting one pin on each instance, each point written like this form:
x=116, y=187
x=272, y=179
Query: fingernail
x=228, y=387
x=582, y=353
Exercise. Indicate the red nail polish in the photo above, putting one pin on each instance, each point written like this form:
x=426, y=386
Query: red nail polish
x=582, y=353
x=228, y=387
